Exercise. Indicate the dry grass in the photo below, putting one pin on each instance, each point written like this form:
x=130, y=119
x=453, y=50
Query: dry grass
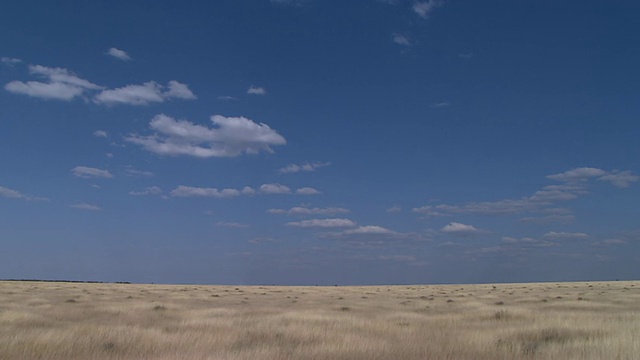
x=598, y=320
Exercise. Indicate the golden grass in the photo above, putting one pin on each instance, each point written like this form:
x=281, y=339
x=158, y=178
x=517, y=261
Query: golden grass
x=596, y=320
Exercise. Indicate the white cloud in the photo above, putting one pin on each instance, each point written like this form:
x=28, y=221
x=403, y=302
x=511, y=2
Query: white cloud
x=10, y=61
x=565, y=235
x=138, y=173
x=15, y=194
x=369, y=229
x=323, y=223
x=253, y=90
x=179, y=90
x=621, y=179
x=9, y=193
x=55, y=91
x=575, y=184
x=458, y=228
x=89, y=172
x=188, y=191
x=119, y=54
x=526, y=241
x=439, y=105
x=233, y=225
x=247, y=190
x=394, y=209
x=274, y=189
x=153, y=190
x=132, y=94
x=100, y=133
x=578, y=174
x=298, y=210
x=294, y=168
x=307, y=191
x=426, y=7
x=62, y=84
x=231, y=137
x=401, y=39
x=227, y=98
x=85, y=206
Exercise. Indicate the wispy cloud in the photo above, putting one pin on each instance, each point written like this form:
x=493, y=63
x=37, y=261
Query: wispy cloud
x=89, y=172
x=62, y=84
x=15, y=194
x=85, y=206
x=370, y=230
x=461, y=229
x=394, y=209
x=153, y=190
x=565, y=235
x=255, y=90
x=576, y=182
x=304, y=211
x=274, y=189
x=294, y=168
x=424, y=8
x=119, y=54
x=440, y=105
x=100, y=133
x=189, y=191
x=401, y=39
x=231, y=136
x=233, y=225
x=9, y=61
x=307, y=191
x=149, y=92
x=323, y=223
x=130, y=171
x=620, y=179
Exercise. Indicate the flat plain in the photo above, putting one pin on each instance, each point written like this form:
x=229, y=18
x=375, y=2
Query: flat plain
x=582, y=320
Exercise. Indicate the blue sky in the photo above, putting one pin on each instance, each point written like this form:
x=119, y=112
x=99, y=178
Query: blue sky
x=319, y=142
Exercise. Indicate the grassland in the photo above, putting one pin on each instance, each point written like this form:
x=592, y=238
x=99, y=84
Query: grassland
x=596, y=320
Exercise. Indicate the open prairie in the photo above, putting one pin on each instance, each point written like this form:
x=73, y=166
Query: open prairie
x=594, y=320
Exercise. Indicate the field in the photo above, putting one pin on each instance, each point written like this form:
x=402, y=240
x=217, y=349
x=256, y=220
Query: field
x=595, y=320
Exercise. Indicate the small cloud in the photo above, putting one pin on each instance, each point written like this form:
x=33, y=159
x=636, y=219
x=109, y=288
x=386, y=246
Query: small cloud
x=401, y=39
x=233, y=225
x=468, y=55
x=100, y=133
x=153, y=190
x=9, y=61
x=149, y=92
x=423, y=9
x=578, y=174
x=294, y=168
x=369, y=229
x=15, y=194
x=462, y=229
x=565, y=235
x=62, y=84
x=230, y=137
x=188, y=191
x=179, y=90
x=323, y=223
x=247, y=190
x=253, y=90
x=394, y=209
x=227, y=98
x=89, y=172
x=119, y=54
x=302, y=211
x=620, y=179
x=440, y=105
x=85, y=206
x=274, y=189
x=307, y=191
x=138, y=173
